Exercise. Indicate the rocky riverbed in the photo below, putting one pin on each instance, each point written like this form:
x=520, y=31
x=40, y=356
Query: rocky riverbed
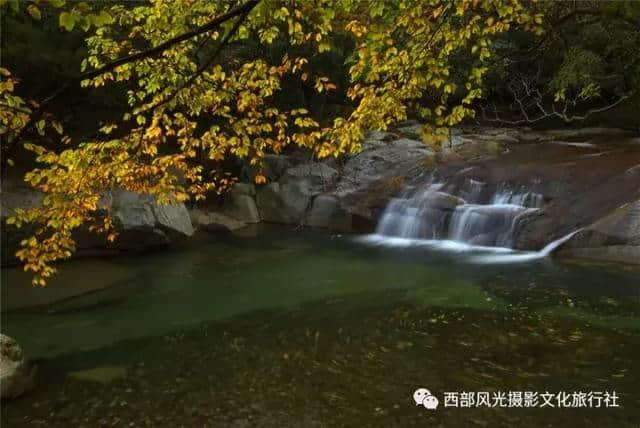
x=587, y=178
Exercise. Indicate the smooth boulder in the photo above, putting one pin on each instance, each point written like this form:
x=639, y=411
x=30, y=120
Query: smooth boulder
x=212, y=221
x=615, y=237
x=240, y=204
x=16, y=376
x=284, y=203
x=140, y=221
x=326, y=212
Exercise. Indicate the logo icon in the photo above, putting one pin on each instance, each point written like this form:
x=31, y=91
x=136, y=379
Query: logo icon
x=423, y=397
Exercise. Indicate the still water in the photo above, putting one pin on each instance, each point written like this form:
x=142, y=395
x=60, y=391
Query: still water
x=275, y=326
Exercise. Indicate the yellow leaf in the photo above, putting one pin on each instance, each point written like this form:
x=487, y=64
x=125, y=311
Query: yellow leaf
x=34, y=12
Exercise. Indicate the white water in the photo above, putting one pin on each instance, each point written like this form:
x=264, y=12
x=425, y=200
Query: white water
x=476, y=253
x=462, y=218
x=525, y=256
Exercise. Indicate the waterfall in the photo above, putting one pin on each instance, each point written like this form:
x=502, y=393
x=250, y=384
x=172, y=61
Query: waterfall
x=463, y=216
x=526, y=255
x=462, y=213
x=552, y=246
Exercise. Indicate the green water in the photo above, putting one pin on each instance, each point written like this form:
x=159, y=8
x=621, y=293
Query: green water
x=281, y=327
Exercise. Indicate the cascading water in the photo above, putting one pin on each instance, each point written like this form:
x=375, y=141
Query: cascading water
x=463, y=215
x=469, y=216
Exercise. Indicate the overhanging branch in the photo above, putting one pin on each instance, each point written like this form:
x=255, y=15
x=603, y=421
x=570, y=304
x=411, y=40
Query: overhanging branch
x=243, y=9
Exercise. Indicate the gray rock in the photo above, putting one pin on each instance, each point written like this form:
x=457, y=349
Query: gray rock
x=214, y=221
x=242, y=207
x=143, y=222
x=443, y=201
x=401, y=157
x=370, y=178
x=411, y=129
x=324, y=211
x=317, y=174
x=373, y=144
x=381, y=136
x=18, y=197
x=244, y=189
x=378, y=139
x=16, y=377
x=274, y=167
x=283, y=203
x=616, y=237
x=140, y=221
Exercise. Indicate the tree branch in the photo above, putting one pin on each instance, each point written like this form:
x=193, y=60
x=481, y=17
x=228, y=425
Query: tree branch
x=533, y=98
x=243, y=9
x=209, y=61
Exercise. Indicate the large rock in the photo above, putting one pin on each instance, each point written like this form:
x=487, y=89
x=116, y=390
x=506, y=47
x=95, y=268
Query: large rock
x=284, y=203
x=140, y=221
x=212, y=221
x=377, y=139
x=317, y=174
x=16, y=377
x=370, y=178
x=326, y=212
x=287, y=200
x=399, y=157
x=442, y=201
x=274, y=167
x=240, y=204
x=135, y=211
x=616, y=237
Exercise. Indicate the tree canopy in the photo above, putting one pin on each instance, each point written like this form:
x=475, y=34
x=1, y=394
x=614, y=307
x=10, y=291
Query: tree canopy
x=204, y=82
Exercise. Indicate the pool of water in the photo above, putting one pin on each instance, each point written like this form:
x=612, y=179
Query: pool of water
x=280, y=326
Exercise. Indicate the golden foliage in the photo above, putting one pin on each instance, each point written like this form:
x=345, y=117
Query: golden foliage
x=405, y=53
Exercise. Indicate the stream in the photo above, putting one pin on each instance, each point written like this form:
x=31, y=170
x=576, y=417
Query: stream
x=276, y=326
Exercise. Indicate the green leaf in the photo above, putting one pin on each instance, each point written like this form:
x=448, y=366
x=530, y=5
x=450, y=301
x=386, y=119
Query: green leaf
x=85, y=24
x=57, y=127
x=67, y=21
x=15, y=5
x=103, y=18
x=40, y=127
